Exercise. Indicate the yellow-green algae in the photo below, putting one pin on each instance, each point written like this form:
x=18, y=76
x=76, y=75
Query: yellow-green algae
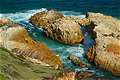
x=14, y=68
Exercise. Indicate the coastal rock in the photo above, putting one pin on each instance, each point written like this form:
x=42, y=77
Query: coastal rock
x=84, y=75
x=58, y=27
x=42, y=19
x=76, y=61
x=65, y=31
x=106, y=51
x=3, y=21
x=65, y=75
x=16, y=39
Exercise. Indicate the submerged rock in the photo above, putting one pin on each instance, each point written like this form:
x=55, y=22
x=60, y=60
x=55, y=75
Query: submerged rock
x=76, y=61
x=58, y=27
x=106, y=52
x=16, y=39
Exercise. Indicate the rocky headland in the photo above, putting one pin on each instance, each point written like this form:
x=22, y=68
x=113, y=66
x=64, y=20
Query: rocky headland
x=106, y=51
x=104, y=30
x=21, y=52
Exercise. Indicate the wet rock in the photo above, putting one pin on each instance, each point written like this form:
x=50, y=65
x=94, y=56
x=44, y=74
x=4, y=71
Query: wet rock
x=58, y=27
x=76, y=61
x=84, y=75
x=106, y=51
x=16, y=39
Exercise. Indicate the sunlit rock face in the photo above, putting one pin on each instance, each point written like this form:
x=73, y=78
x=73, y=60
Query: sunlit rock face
x=42, y=19
x=106, y=52
x=58, y=27
x=3, y=21
x=65, y=31
x=16, y=39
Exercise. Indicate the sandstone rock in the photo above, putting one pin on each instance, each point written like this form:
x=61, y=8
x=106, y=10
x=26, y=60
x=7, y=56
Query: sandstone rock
x=58, y=27
x=16, y=39
x=3, y=21
x=65, y=31
x=44, y=18
x=105, y=25
x=106, y=52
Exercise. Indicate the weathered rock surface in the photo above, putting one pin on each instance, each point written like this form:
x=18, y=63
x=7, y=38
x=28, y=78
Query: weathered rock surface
x=58, y=27
x=65, y=31
x=16, y=39
x=3, y=21
x=106, y=52
x=42, y=19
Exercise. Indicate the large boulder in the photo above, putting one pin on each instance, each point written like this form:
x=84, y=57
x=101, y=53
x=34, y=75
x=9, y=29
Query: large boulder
x=64, y=30
x=16, y=39
x=42, y=19
x=55, y=25
x=106, y=51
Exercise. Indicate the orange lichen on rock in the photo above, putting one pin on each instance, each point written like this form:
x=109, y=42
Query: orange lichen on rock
x=113, y=48
x=17, y=40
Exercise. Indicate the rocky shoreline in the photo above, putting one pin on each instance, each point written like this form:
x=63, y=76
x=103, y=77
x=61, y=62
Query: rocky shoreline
x=104, y=53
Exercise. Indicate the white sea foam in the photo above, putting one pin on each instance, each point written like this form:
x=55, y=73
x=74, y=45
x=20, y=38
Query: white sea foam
x=20, y=16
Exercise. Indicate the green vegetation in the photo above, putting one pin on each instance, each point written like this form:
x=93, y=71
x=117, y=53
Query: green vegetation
x=14, y=68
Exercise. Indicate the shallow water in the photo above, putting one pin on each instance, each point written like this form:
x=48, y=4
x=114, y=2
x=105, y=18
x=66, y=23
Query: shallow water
x=63, y=51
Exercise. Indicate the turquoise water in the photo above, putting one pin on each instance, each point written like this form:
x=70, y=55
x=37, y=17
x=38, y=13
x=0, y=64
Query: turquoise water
x=21, y=10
